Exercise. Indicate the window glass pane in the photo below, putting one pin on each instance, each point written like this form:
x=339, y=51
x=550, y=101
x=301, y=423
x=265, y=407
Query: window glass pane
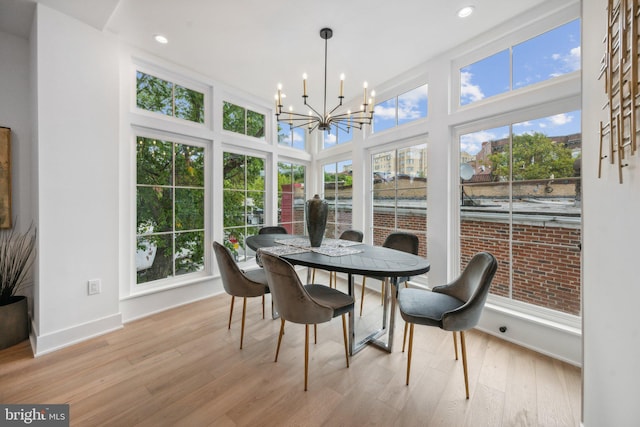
x=154, y=162
x=548, y=55
x=189, y=165
x=154, y=94
x=255, y=124
x=234, y=171
x=338, y=192
x=189, y=252
x=189, y=104
x=291, y=137
x=189, y=209
x=329, y=139
x=384, y=116
x=412, y=105
x=233, y=118
x=485, y=78
x=154, y=258
x=154, y=209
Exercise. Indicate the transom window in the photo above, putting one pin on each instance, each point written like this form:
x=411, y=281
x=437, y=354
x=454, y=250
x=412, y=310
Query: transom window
x=401, y=109
x=291, y=136
x=170, y=209
x=241, y=120
x=551, y=54
x=168, y=98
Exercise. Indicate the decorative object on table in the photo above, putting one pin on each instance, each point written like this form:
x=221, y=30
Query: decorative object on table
x=620, y=70
x=17, y=253
x=5, y=177
x=325, y=119
x=316, y=211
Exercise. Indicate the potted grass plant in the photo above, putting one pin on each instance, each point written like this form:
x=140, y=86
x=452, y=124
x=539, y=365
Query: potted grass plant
x=17, y=253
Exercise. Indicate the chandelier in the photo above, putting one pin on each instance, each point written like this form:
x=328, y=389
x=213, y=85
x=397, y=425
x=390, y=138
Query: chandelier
x=336, y=117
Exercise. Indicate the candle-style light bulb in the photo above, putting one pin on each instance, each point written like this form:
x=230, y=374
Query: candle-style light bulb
x=304, y=84
x=341, y=85
x=365, y=93
x=279, y=94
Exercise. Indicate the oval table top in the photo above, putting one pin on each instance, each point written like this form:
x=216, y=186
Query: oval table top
x=368, y=261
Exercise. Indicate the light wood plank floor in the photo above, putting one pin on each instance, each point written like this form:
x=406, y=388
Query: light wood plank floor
x=183, y=367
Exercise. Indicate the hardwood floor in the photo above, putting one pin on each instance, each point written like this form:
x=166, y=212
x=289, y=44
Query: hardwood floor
x=183, y=367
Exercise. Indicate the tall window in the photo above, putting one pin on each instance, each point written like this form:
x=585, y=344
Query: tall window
x=401, y=109
x=520, y=199
x=170, y=209
x=244, y=196
x=168, y=98
x=241, y=120
x=540, y=58
x=291, y=197
x=338, y=192
x=399, y=193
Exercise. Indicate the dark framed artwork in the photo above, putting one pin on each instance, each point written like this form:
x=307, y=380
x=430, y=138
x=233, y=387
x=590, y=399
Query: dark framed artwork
x=5, y=177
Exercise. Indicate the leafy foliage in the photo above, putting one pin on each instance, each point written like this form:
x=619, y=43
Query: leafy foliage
x=535, y=156
x=17, y=253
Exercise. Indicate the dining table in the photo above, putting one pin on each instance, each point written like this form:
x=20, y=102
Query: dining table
x=352, y=258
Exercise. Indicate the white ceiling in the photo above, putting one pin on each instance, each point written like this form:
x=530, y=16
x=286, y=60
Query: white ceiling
x=255, y=44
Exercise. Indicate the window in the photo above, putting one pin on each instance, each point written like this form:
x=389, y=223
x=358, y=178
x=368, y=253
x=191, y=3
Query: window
x=336, y=137
x=244, y=197
x=338, y=192
x=399, y=193
x=548, y=55
x=404, y=108
x=241, y=120
x=520, y=199
x=170, y=194
x=164, y=97
x=291, y=136
x=291, y=197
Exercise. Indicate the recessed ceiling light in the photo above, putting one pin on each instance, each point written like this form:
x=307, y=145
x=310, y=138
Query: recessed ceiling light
x=465, y=11
x=161, y=39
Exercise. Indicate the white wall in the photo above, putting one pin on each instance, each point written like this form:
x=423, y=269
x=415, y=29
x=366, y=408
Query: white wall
x=77, y=146
x=611, y=287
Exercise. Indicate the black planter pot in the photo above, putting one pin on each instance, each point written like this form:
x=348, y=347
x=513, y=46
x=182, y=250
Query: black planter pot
x=14, y=322
x=317, y=210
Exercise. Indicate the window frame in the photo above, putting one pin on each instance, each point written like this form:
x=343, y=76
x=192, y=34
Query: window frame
x=521, y=34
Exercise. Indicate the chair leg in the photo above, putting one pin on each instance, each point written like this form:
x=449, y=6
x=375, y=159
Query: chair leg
x=344, y=335
x=315, y=333
x=263, y=306
x=244, y=310
x=410, y=352
x=364, y=279
x=231, y=311
x=463, y=347
x=455, y=344
x=306, y=355
x=280, y=338
x=404, y=335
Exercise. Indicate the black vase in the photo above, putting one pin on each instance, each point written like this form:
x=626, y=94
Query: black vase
x=316, y=210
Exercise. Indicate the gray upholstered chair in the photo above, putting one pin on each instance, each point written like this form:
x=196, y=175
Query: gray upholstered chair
x=456, y=306
x=238, y=283
x=351, y=235
x=405, y=242
x=272, y=229
x=304, y=304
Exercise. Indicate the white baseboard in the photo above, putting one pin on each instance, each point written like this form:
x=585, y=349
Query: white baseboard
x=43, y=344
x=540, y=335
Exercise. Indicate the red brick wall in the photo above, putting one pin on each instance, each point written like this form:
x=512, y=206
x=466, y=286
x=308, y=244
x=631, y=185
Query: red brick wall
x=546, y=261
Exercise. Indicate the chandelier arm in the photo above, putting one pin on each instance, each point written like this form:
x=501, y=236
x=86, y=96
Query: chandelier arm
x=312, y=109
x=291, y=113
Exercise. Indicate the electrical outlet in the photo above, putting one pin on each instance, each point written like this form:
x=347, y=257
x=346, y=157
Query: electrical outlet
x=94, y=287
